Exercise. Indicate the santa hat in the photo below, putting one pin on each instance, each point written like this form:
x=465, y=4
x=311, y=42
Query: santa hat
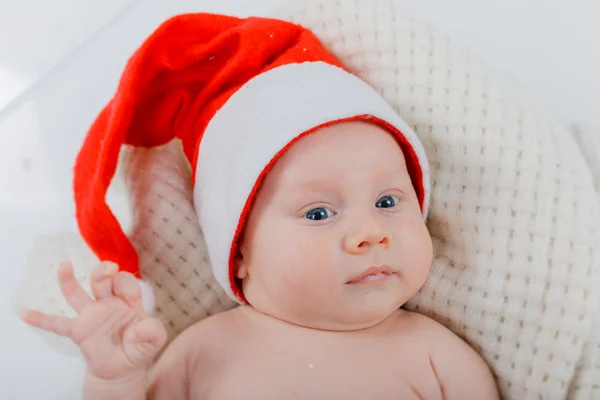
x=238, y=93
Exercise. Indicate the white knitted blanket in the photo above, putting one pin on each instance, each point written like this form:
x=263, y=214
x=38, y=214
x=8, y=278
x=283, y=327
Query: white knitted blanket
x=514, y=214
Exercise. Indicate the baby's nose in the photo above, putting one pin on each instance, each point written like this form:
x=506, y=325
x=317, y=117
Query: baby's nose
x=366, y=237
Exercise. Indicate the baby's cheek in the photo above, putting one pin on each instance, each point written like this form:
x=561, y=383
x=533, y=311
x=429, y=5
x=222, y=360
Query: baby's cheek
x=295, y=281
x=418, y=244
x=306, y=270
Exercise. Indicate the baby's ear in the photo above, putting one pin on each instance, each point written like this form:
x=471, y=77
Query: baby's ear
x=241, y=270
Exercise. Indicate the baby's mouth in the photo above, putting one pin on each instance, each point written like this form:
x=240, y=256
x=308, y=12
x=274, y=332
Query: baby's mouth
x=373, y=274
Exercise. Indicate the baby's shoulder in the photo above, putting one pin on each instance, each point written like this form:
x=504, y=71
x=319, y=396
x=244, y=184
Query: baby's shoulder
x=198, y=354
x=212, y=327
x=458, y=367
x=208, y=341
x=419, y=327
x=432, y=336
x=218, y=327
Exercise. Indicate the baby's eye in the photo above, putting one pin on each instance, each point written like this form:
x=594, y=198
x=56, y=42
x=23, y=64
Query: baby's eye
x=318, y=214
x=387, y=202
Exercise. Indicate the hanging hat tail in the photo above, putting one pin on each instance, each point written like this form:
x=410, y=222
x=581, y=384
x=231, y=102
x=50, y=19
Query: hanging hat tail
x=144, y=112
x=94, y=168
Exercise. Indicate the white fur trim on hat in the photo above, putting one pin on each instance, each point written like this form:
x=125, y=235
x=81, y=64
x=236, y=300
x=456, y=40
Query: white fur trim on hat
x=259, y=120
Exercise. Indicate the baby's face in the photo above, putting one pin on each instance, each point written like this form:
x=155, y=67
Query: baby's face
x=338, y=203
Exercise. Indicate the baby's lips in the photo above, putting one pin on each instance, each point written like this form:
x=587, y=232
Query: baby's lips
x=373, y=270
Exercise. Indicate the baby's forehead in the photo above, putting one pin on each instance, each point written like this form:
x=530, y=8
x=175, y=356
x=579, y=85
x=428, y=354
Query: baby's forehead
x=368, y=152
x=312, y=176
x=345, y=154
x=346, y=142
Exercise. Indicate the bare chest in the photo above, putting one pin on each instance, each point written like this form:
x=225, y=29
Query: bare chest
x=348, y=369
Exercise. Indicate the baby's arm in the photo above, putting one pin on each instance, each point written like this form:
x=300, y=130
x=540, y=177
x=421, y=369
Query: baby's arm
x=182, y=372
x=169, y=378
x=187, y=368
x=461, y=371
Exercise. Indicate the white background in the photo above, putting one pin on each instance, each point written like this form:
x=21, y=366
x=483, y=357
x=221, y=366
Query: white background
x=550, y=46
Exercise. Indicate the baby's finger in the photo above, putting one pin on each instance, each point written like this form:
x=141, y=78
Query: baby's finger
x=74, y=294
x=52, y=323
x=144, y=340
x=127, y=287
x=101, y=280
x=148, y=330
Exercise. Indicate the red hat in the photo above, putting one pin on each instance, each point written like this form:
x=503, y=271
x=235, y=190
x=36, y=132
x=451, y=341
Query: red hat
x=238, y=93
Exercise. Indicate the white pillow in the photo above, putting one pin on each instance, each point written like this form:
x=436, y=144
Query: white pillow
x=514, y=216
x=587, y=137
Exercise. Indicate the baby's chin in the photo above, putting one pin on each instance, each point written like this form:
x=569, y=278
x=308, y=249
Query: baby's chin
x=349, y=316
x=349, y=322
x=370, y=313
x=350, y=309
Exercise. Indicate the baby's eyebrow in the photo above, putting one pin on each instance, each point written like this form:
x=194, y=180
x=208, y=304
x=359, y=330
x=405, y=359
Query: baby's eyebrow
x=315, y=186
x=311, y=191
x=395, y=174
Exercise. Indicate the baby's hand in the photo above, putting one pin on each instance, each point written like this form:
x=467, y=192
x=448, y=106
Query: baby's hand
x=115, y=336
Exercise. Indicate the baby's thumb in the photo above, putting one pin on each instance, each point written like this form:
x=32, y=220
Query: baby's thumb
x=143, y=340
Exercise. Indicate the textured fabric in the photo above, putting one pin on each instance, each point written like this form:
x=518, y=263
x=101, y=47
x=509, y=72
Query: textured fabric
x=586, y=382
x=180, y=84
x=514, y=216
x=588, y=139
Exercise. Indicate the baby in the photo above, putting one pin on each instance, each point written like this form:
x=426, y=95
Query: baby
x=327, y=241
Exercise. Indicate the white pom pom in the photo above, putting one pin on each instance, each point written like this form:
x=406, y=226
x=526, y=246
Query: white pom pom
x=148, y=298
x=39, y=289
